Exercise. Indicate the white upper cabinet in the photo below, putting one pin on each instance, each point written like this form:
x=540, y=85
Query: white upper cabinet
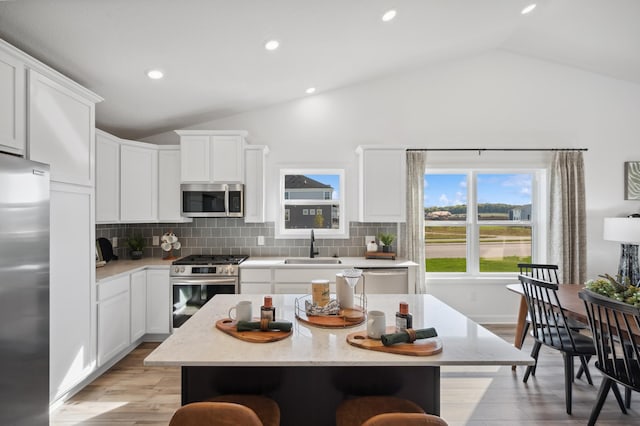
x=381, y=192
x=138, y=183
x=12, y=108
x=254, y=179
x=212, y=156
x=169, y=185
x=107, y=178
x=61, y=130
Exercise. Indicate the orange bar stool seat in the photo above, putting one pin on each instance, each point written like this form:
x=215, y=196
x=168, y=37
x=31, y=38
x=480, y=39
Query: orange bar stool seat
x=354, y=412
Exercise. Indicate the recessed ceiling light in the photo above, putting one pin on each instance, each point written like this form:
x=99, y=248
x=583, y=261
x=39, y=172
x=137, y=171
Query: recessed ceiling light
x=310, y=90
x=272, y=45
x=528, y=8
x=155, y=74
x=389, y=15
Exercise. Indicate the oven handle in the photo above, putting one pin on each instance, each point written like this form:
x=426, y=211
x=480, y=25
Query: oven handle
x=206, y=281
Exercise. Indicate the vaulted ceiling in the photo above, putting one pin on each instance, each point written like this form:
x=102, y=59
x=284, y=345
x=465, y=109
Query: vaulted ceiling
x=215, y=64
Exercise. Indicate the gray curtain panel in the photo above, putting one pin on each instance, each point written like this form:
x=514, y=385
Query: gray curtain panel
x=567, y=239
x=416, y=162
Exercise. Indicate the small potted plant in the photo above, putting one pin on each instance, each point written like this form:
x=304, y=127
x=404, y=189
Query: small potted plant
x=386, y=240
x=136, y=245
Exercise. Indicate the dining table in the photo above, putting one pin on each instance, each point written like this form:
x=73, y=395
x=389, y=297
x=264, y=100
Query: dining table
x=568, y=298
x=315, y=368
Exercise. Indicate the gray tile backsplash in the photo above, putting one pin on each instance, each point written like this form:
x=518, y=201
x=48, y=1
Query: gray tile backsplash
x=233, y=236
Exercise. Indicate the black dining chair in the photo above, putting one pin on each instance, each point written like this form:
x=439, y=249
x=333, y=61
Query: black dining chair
x=549, y=327
x=615, y=327
x=547, y=272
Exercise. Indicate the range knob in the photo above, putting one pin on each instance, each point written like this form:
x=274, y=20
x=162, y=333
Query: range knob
x=182, y=269
x=176, y=269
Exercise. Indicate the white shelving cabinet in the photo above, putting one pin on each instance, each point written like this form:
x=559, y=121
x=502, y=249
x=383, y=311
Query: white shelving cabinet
x=254, y=179
x=381, y=192
x=69, y=148
x=107, y=178
x=212, y=156
x=12, y=102
x=138, y=183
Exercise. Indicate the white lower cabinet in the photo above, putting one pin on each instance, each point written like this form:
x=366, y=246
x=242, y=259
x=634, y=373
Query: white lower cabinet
x=255, y=281
x=138, y=289
x=158, y=301
x=113, y=318
x=298, y=281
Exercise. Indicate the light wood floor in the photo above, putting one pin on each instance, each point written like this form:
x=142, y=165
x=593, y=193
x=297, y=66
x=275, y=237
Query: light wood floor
x=132, y=394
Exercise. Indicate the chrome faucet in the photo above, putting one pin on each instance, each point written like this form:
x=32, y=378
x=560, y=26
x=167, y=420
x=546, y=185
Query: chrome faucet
x=312, y=248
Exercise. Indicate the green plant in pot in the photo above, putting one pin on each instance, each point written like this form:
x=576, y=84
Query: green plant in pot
x=386, y=240
x=136, y=245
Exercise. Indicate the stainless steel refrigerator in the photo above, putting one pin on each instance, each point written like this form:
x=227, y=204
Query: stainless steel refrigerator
x=24, y=292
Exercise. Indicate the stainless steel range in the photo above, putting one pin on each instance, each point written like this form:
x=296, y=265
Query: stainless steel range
x=197, y=278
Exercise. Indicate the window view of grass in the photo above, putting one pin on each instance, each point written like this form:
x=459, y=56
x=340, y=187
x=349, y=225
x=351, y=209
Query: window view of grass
x=502, y=235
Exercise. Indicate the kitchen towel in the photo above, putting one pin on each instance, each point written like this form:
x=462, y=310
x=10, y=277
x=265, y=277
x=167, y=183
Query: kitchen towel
x=405, y=337
x=272, y=325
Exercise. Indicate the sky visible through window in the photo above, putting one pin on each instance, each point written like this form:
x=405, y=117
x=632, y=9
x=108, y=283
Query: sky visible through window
x=333, y=180
x=441, y=190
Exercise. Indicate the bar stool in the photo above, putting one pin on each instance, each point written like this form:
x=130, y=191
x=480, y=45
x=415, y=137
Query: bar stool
x=229, y=410
x=405, y=419
x=214, y=414
x=356, y=411
x=267, y=409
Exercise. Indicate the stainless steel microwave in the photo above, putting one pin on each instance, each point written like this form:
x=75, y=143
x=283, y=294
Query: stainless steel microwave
x=212, y=200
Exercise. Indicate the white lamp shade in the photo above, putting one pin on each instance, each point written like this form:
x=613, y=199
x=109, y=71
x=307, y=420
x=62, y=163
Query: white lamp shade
x=622, y=229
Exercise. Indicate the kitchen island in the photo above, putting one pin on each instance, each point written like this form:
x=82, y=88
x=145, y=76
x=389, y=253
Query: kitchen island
x=310, y=372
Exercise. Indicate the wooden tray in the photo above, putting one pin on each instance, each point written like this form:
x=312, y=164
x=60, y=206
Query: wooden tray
x=345, y=319
x=380, y=255
x=421, y=347
x=228, y=326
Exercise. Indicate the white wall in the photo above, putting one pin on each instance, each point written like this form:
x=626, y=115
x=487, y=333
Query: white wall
x=494, y=100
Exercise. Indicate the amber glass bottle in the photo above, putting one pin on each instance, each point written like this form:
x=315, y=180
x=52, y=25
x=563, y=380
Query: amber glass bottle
x=267, y=310
x=404, y=319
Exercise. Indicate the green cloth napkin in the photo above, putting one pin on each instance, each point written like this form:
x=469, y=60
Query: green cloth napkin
x=255, y=325
x=393, y=338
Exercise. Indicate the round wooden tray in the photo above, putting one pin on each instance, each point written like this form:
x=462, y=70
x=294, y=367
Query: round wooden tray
x=344, y=319
x=421, y=347
x=228, y=326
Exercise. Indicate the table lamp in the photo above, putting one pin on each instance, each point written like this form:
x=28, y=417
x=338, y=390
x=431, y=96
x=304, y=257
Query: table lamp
x=625, y=230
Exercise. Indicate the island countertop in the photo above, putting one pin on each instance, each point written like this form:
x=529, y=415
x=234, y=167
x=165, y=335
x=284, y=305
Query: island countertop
x=199, y=343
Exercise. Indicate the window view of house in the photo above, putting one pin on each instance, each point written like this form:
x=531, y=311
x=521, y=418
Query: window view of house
x=477, y=222
x=312, y=201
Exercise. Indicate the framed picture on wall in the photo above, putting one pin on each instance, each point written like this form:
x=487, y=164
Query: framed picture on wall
x=632, y=180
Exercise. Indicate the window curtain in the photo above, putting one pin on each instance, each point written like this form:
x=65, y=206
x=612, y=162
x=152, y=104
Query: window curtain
x=416, y=162
x=567, y=238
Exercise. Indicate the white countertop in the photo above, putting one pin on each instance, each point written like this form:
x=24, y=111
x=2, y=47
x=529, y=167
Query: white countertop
x=115, y=268
x=347, y=262
x=199, y=343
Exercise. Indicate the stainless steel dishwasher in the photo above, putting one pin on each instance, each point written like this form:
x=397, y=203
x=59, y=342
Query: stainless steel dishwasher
x=384, y=281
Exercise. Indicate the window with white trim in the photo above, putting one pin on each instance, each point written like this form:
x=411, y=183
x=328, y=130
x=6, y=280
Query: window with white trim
x=312, y=199
x=481, y=221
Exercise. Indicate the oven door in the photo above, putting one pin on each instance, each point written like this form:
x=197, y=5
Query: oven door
x=190, y=294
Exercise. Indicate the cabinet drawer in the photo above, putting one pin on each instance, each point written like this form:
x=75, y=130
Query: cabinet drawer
x=107, y=289
x=255, y=288
x=255, y=275
x=306, y=275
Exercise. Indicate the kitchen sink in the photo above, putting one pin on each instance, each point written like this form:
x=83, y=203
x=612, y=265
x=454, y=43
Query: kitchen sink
x=312, y=261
